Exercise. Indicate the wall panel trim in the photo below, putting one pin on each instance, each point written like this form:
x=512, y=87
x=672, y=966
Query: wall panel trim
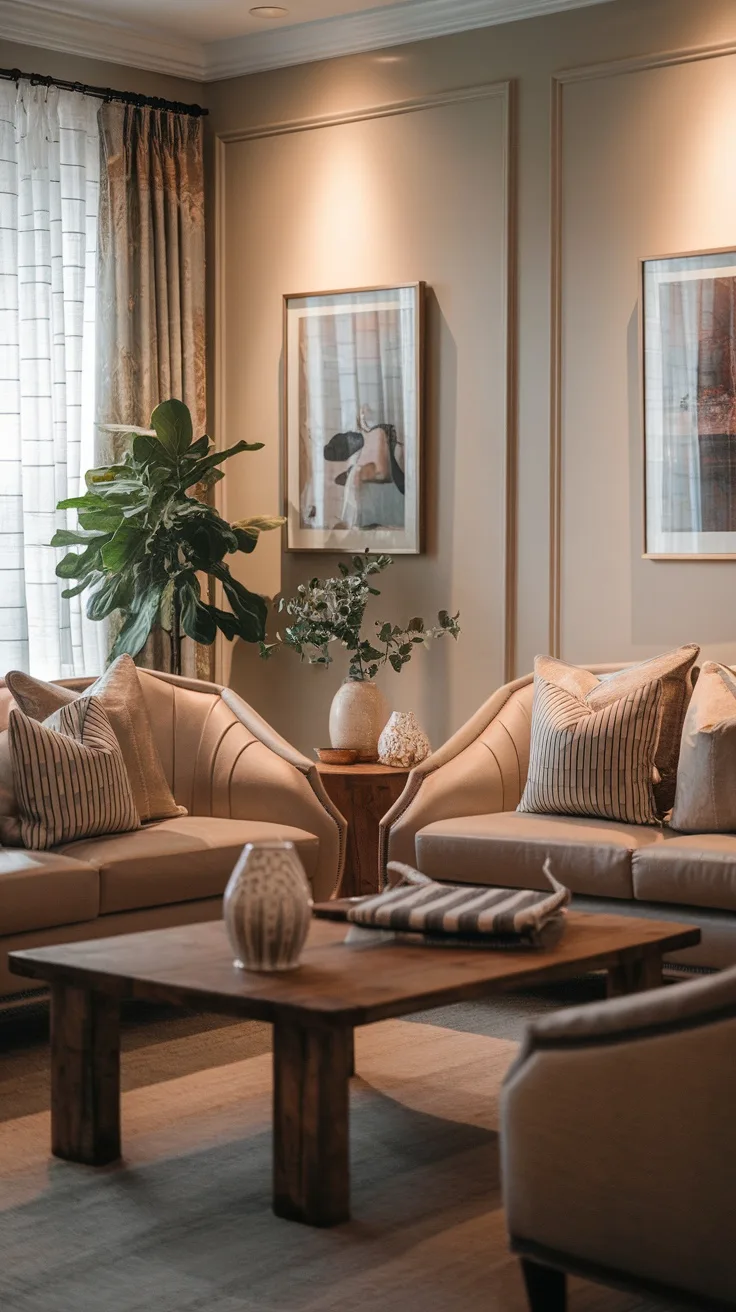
x=390, y=110
x=506, y=91
x=567, y=77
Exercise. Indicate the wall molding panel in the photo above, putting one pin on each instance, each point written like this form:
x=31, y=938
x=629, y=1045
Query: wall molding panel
x=562, y=79
x=506, y=92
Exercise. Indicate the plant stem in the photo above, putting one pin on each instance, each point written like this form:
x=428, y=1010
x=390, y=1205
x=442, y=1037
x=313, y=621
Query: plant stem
x=175, y=637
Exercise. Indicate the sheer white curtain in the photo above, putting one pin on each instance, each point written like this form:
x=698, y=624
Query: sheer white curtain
x=49, y=191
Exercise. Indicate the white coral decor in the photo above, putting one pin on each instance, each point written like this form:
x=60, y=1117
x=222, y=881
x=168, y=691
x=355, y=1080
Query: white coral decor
x=402, y=742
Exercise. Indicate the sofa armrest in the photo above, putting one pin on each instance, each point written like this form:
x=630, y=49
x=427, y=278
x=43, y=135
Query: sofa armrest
x=480, y=770
x=271, y=780
x=618, y=1153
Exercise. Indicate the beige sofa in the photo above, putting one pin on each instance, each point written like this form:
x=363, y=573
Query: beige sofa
x=456, y=820
x=617, y=1146
x=239, y=782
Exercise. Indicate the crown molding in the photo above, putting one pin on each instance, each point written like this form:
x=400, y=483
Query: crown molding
x=74, y=33
x=63, y=28
x=372, y=29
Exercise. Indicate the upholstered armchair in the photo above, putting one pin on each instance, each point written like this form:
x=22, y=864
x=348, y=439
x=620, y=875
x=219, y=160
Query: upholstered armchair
x=618, y=1147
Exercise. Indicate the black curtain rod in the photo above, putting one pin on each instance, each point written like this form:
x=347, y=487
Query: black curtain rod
x=104, y=93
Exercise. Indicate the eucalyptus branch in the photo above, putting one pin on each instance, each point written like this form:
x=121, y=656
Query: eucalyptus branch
x=333, y=610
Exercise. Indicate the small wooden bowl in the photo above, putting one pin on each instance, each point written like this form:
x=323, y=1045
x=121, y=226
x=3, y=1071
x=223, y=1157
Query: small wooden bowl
x=336, y=755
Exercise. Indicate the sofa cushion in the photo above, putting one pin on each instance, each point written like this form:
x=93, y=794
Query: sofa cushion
x=705, y=801
x=70, y=776
x=39, y=890
x=509, y=849
x=121, y=693
x=692, y=870
x=178, y=860
x=592, y=763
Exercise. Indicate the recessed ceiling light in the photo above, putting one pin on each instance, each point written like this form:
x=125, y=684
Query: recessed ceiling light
x=269, y=11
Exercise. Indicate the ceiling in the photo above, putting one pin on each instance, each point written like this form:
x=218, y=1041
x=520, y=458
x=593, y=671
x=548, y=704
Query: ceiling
x=211, y=39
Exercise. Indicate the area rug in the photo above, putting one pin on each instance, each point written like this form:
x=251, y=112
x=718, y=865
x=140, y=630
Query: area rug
x=184, y=1225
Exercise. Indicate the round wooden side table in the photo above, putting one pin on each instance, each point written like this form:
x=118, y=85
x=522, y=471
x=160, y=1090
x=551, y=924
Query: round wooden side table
x=363, y=794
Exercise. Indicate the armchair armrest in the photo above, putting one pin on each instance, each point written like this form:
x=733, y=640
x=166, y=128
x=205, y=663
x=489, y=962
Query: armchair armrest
x=618, y=1153
x=271, y=780
x=479, y=770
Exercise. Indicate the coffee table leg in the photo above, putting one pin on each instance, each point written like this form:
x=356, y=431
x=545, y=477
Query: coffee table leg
x=85, y=1076
x=635, y=974
x=311, y=1167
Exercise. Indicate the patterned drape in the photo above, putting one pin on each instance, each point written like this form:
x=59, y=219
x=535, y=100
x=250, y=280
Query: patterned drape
x=151, y=286
x=49, y=183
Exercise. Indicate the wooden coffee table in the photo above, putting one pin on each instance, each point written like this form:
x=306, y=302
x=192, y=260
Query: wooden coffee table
x=313, y=1011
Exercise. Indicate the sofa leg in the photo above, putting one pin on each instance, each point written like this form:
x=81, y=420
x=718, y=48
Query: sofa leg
x=546, y=1288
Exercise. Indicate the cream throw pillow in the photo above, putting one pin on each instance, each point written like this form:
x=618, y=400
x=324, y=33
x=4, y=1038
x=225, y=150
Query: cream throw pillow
x=674, y=669
x=70, y=776
x=705, y=801
x=119, y=690
x=592, y=762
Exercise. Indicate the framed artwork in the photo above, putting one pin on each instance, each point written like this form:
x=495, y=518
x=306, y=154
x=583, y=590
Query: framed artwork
x=689, y=373
x=353, y=387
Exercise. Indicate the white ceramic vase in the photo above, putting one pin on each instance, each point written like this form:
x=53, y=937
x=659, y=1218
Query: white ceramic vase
x=403, y=743
x=357, y=716
x=267, y=907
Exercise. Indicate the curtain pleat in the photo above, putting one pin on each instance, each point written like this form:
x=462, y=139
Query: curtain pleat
x=49, y=185
x=151, y=289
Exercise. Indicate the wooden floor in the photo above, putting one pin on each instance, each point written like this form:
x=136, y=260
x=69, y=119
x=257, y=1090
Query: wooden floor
x=185, y=1224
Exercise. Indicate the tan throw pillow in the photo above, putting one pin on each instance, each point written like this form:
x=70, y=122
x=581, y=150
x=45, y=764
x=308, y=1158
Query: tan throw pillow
x=674, y=669
x=595, y=763
x=9, y=818
x=70, y=776
x=705, y=801
x=119, y=690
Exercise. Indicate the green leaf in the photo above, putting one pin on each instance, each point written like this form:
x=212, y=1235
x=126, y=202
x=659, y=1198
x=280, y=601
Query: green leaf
x=173, y=424
x=199, y=448
x=416, y=625
x=114, y=593
x=80, y=587
x=138, y=625
x=150, y=450
x=196, y=620
x=166, y=606
x=197, y=471
x=385, y=633
x=74, y=566
x=397, y=662
x=90, y=501
x=105, y=521
x=125, y=547
x=250, y=610
x=76, y=537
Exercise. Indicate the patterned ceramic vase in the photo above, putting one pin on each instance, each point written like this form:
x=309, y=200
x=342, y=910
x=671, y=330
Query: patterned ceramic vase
x=267, y=907
x=402, y=742
x=357, y=716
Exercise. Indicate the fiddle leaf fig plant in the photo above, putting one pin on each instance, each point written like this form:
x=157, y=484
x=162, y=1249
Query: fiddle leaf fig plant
x=144, y=540
x=333, y=610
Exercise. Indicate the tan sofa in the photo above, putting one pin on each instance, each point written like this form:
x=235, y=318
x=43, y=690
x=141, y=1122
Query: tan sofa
x=617, y=1146
x=456, y=820
x=238, y=780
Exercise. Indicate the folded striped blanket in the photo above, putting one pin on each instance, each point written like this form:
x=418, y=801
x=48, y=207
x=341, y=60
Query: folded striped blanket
x=504, y=917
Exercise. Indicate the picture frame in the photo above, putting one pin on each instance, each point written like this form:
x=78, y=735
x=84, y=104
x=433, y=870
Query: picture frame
x=687, y=353
x=353, y=419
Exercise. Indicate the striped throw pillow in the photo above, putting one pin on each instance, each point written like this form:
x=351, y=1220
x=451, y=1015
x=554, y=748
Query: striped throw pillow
x=594, y=763
x=70, y=776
